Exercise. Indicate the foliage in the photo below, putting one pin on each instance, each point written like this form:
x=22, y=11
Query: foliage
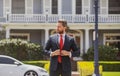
x=2, y=32
x=110, y=66
x=111, y=74
x=37, y=63
x=20, y=49
x=44, y=64
x=106, y=53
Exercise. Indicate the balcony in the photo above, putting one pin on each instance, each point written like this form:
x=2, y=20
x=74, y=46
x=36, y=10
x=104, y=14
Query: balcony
x=39, y=18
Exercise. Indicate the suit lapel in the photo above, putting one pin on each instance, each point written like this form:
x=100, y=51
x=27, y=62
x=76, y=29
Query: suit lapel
x=56, y=39
x=65, y=41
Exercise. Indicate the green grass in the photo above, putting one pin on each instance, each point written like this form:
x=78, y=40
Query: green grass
x=111, y=74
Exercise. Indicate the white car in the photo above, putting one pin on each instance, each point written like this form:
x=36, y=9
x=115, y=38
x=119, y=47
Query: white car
x=11, y=67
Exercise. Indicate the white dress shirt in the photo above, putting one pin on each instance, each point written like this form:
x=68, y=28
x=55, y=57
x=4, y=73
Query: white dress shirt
x=63, y=37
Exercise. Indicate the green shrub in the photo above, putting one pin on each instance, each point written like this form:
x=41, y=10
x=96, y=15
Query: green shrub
x=106, y=53
x=2, y=32
x=110, y=66
x=20, y=49
x=37, y=63
x=106, y=65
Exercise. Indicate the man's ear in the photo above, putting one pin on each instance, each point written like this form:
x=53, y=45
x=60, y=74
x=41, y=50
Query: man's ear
x=65, y=28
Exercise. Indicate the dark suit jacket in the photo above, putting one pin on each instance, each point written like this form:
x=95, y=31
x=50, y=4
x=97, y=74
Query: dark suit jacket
x=53, y=44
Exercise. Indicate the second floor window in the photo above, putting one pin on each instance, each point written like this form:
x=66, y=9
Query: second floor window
x=54, y=6
x=18, y=6
x=114, y=6
x=78, y=6
x=66, y=6
x=1, y=8
x=37, y=6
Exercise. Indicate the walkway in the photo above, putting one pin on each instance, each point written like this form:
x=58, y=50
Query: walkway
x=75, y=73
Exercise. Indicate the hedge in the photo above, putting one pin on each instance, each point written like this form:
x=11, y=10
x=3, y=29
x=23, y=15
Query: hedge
x=110, y=66
x=107, y=65
x=106, y=53
x=44, y=64
x=21, y=49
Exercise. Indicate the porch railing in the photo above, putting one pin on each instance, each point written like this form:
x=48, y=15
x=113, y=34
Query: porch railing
x=105, y=18
x=27, y=18
x=39, y=18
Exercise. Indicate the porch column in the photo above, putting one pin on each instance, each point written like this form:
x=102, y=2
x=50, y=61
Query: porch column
x=7, y=33
x=86, y=40
x=46, y=35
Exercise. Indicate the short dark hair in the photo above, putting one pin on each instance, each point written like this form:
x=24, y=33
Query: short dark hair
x=64, y=23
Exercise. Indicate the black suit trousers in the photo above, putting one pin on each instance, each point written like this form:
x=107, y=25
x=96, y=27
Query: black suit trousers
x=59, y=71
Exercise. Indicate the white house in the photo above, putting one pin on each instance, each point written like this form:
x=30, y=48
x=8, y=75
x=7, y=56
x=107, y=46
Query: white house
x=35, y=20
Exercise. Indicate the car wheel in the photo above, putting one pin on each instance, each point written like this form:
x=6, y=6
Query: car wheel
x=31, y=73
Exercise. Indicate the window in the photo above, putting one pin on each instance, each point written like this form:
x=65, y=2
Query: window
x=78, y=6
x=37, y=6
x=18, y=6
x=114, y=6
x=112, y=40
x=4, y=60
x=23, y=36
x=66, y=6
x=54, y=6
x=1, y=8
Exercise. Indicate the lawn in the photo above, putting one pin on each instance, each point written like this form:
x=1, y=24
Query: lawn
x=111, y=74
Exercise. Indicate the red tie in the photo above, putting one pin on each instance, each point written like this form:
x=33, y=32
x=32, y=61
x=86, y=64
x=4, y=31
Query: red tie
x=61, y=46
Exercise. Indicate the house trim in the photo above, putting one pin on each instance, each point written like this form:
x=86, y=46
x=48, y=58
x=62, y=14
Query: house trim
x=110, y=34
x=21, y=34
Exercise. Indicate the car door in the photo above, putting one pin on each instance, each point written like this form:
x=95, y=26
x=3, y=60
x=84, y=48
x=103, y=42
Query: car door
x=8, y=68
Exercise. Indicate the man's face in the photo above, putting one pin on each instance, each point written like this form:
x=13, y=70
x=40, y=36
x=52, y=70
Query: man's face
x=60, y=28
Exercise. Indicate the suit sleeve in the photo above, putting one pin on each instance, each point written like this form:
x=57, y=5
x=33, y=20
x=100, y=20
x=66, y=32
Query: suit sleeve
x=75, y=51
x=74, y=45
x=47, y=47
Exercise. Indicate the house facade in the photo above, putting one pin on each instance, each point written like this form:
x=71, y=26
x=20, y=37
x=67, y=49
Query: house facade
x=35, y=20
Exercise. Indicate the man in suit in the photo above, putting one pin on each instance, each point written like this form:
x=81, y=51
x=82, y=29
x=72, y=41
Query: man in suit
x=61, y=46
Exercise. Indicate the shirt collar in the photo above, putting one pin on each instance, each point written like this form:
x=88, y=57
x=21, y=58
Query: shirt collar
x=62, y=35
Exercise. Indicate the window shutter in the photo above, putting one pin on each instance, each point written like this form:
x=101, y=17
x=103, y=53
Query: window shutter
x=47, y=6
x=86, y=6
x=103, y=6
x=7, y=7
x=29, y=6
